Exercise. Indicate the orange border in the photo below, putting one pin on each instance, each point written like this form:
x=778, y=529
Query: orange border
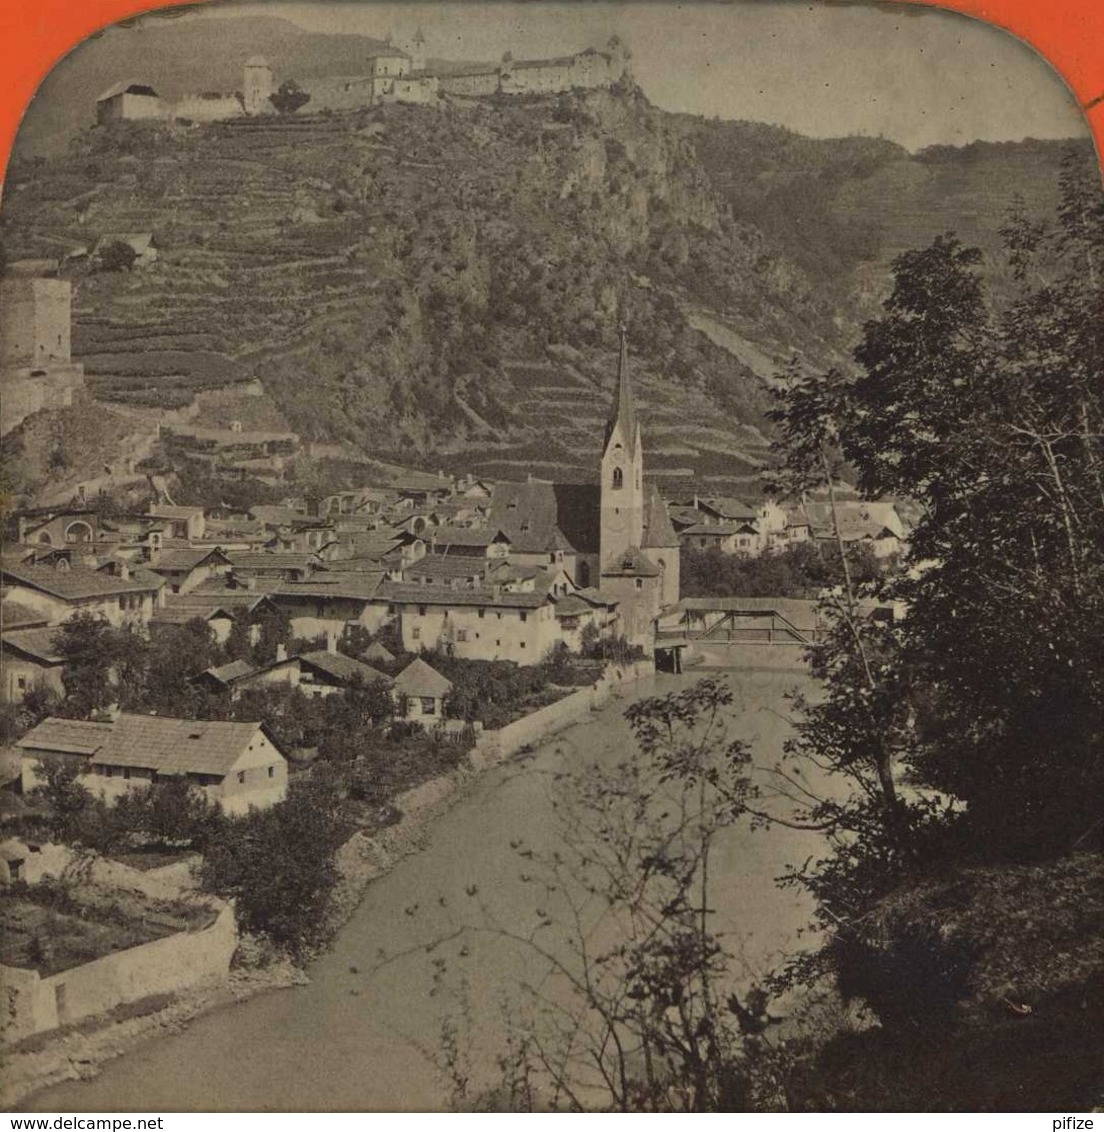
x=35, y=34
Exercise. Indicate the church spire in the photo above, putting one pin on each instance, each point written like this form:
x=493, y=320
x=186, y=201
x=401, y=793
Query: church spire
x=623, y=412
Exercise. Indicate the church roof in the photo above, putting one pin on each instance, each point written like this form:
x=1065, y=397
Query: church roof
x=658, y=530
x=541, y=517
x=624, y=407
x=630, y=563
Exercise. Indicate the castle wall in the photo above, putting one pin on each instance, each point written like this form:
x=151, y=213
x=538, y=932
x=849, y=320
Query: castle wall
x=22, y=394
x=472, y=86
x=208, y=108
x=339, y=92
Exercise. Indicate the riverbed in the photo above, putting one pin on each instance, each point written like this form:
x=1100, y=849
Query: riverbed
x=366, y=1033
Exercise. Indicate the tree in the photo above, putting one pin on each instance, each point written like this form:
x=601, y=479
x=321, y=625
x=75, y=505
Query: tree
x=176, y=654
x=117, y=256
x=98, y=660
x=639, y=1009
x=289, y=97
x=278, y=865
x=63, y=792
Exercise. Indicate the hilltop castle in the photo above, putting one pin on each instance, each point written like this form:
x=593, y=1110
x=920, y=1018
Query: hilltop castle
x=390, y=74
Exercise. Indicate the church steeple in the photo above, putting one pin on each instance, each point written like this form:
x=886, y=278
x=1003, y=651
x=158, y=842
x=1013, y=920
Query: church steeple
x=623, y=411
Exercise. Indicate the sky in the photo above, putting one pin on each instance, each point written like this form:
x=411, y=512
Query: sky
x=917, y=76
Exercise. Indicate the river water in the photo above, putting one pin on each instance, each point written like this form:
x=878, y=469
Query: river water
x=365, y=1034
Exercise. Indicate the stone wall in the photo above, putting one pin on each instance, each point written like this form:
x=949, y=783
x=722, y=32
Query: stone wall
x=493, y=746
x=32, y=1004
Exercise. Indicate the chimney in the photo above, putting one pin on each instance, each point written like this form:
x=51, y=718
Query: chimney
x=281, y=652
x=331, y=641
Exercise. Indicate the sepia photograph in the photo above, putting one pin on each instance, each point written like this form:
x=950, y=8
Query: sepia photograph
x=552, y=562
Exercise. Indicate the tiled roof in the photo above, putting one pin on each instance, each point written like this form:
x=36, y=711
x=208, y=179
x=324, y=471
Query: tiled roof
x=571, y=606
x=419, y=679
x=73, y=584
x=730, y=508
x=271, y=560
x=465, y=536
x=631, y=564
x=716, y=530
x=14, y=615
x=181, y=608
x=175, y=746
x=448, y=566
x=39, y=643
x=347, y=585
x=228, y=673
x=658, y=530
x=341, y=667
x=186, y=558
x=66, y=736
x=402, y=594
x=542, y=517
x=376, y=651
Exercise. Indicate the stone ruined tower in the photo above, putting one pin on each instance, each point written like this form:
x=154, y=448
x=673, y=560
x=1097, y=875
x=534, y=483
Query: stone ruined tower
x=257, y=86
x=622, y=493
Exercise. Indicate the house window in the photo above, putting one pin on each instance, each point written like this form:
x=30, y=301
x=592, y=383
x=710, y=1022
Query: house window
x=416, y=633
x=122, y=602
x=21, y=683
x=639, y=583
x=461, y=634
x=522, y=645
x=271, y=772
x=126, y=773
x=524, y=616
x=241, y=777
x=482, y=613
x=429, y=705
x=618, y=479
x=109, y=772
x=421, y=610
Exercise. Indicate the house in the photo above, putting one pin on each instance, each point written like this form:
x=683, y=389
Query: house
x=468, y=542
x=187, y=567
x=217, y=609
x=317, y=673
x=728, y=538
x=424, y=690
x=29, y=659
x=273, y=565
x=478, y=624
x=65, y=527
x=237, y=765
x=875, y=523
x=59, y=593
x=188, y=523
x=328, y=602
x=130, y=100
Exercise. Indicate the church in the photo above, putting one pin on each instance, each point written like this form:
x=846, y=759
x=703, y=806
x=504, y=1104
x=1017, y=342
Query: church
x=613, y=537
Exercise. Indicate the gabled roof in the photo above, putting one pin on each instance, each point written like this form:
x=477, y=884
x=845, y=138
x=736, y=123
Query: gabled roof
x=342, y=585
x=271, y=560
x=728, y=507
x=571, y=606
x=419, y=679
x=127, y=86
x=37, y=643
x=65, y=736
x=229, y=673
x=171, y=511
x=630, y=564
x=14, y=615
x=342, y=668
x=465, y=536
x=74, y=584
x=176, y=746
x=378, y=652
x=448, y=566
x=189, y=558
x=542, y=517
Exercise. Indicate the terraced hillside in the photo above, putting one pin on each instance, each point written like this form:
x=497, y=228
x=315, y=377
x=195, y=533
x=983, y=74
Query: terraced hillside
x=446, y=284
x=416, y=281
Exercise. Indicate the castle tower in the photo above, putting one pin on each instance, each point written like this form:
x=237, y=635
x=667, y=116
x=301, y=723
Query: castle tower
x=416, y=49
x=257, y=86
x=622, y=495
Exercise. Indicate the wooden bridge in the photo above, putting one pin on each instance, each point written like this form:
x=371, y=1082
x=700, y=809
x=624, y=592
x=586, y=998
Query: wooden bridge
x=739, y=621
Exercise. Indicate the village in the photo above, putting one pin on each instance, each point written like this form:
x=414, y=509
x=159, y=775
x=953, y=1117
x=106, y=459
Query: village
x=432, y=620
